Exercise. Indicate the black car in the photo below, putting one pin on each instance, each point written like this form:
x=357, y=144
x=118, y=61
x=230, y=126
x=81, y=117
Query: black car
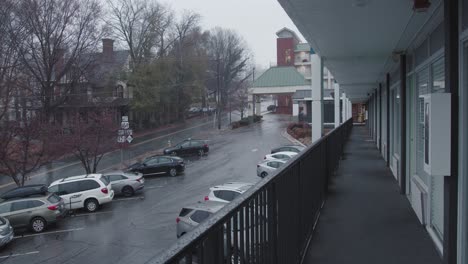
x=291, y=148
x=188, y=147
x=157, y=165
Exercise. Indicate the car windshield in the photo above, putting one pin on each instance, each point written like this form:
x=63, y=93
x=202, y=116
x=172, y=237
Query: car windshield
x=54, y=198
x=104, y=180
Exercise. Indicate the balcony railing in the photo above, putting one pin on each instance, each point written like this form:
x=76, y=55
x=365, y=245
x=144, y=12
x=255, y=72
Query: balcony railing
x=273, y=221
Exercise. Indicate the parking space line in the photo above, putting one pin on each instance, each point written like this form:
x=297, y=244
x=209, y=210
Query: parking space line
x=95, y=213
x=19, y=254
x=128, y=199
x=51, y=232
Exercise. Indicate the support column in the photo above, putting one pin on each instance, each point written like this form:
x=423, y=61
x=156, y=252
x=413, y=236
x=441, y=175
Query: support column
x=251, y=100
x=380, y=117
x=403, y=124
x=317, y=97
x=350, y=109
x=452, y=73
x=258, y=105
x=388, y=119
x=337, y=105
x=343, y=106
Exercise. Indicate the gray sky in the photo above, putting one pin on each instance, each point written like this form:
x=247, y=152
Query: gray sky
x=256, y=21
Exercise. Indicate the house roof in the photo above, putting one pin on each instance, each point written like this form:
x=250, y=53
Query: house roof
x=302, y=94
x=302, y=47
x=281, y=76
x=295, y=36
x=102, y=69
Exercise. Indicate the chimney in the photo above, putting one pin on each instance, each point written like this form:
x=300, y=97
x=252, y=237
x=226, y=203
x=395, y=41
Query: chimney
x=108, y=49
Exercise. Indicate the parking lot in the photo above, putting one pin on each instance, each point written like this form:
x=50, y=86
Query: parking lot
x=136, y=229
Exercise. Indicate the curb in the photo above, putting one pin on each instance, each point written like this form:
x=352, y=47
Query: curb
x=290, y=138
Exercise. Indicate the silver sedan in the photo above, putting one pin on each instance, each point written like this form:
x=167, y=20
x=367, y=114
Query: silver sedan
x=6, y=231
x=125, y=183
x=269, y=166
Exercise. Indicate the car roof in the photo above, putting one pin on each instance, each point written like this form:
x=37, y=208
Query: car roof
x=76, y=178
x=25, y=191
x=235, y=186
x=125, y=173
x=285, y=153
x=270, y=160
x=210, y=206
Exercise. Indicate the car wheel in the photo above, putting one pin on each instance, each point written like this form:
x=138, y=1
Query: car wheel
x=264, y=174
x=91, y=205
x=128, y=191
x=173, y=153
x=201, y=152
x=173, y=172
x=38, y=224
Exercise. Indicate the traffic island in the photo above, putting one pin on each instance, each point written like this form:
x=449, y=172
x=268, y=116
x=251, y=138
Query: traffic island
x=246, y=121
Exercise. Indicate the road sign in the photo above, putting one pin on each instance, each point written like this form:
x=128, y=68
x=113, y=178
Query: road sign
x=125, y=132
x=124, y=118
x=125, y=125
x=129, y=139
x=121, y=139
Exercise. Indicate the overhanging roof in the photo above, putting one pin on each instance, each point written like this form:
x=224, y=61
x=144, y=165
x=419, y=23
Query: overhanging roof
x=358, y=38
x=281, y=77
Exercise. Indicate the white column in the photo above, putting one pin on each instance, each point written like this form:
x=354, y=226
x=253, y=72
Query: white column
x=343, y=106
x=350, y=111
x=337, y=105
x=317, y=96
x=251, y=98
x=258, y=105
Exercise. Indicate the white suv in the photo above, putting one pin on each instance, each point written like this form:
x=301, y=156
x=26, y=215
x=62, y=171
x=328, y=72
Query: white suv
x=228, y=191
x=85, y=191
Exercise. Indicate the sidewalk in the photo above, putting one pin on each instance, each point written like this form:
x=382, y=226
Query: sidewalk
x=365, y=219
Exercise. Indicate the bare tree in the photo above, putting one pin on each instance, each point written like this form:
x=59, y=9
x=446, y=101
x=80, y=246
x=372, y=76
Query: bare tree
x=52, y=38
x=90, y=137
x=8, y=62
x=140, y=25
x=26, y=146
x=231, y=57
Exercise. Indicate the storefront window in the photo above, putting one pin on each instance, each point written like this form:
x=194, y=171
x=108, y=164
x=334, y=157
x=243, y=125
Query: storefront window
x=422, y=89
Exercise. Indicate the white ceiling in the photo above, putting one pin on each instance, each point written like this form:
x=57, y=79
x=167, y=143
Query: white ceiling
x=356, y=38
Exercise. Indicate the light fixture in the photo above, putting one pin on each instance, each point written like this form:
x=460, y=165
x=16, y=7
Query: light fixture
x=421, y=5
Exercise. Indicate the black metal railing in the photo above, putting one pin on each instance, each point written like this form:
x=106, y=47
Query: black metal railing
x=273, y=221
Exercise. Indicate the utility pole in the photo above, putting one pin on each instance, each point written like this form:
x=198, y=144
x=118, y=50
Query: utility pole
x=218, y=108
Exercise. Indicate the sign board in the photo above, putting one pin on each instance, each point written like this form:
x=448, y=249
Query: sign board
x=125, y=134
x=125, y=125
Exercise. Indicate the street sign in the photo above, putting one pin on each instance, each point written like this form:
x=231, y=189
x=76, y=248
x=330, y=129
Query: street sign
x=124, y=118
x=125, y=125
x=125, y=132
x=121, y=139
x=129, y=139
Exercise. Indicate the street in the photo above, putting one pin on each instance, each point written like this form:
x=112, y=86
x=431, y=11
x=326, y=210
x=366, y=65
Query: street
x=136, y=229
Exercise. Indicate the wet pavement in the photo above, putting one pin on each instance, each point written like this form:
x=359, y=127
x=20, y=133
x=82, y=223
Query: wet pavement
x=136, y=229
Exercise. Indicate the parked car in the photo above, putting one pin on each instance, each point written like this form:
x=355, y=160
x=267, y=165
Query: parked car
x=284, y=155
x=267, y=167
x=290, y=148
x=125, y=183
x=191, y=216
x=188, y=147
x=227, y=192
x=271, y=108
x=31, y=206
x=6, y=231
x=85, y=191
x=157, y=165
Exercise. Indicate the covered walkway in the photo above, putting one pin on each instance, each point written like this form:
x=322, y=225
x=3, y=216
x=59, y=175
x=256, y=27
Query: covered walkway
x=365, y=218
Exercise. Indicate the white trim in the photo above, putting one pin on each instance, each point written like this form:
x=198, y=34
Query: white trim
x=277, y=90
x=437, y=55
x=435, y=239
x=462, y=243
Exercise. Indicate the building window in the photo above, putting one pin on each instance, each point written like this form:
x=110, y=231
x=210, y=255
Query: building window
x=119, y=91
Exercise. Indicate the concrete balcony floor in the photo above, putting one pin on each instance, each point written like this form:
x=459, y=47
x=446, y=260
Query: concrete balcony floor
x=365, y=219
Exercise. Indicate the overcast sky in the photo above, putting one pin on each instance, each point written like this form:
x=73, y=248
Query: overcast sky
x=256, y=21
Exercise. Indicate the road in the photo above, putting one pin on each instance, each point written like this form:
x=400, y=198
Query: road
x=135, y=230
